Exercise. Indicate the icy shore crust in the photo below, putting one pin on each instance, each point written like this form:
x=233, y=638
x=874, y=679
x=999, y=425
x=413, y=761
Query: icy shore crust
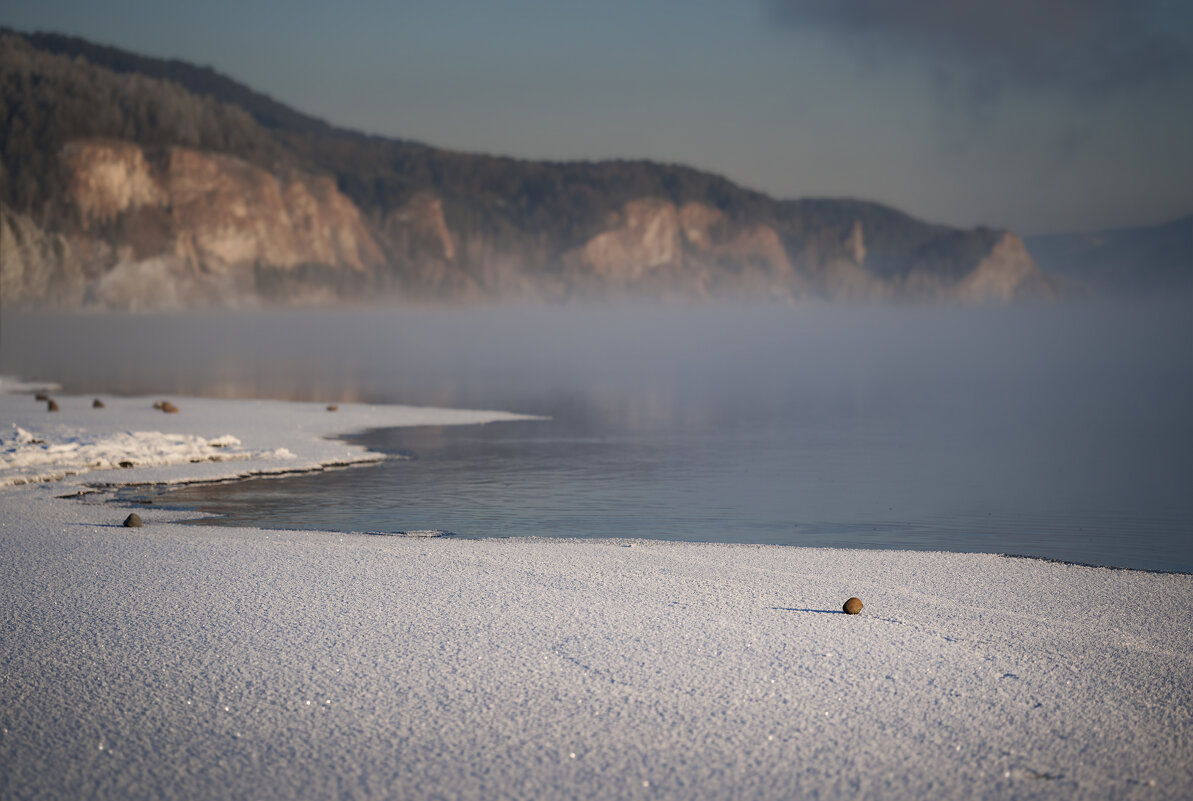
x=177, y=661
x=130, y=442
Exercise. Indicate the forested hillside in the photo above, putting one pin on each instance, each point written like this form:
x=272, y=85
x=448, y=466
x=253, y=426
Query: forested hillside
x=106, y=158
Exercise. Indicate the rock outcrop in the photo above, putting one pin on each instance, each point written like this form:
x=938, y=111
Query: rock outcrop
x=105, y=179
x=193, y=231
x=643, y=236
x=216, y=212
x=855, y=244
x=417, y=229
x=653, y=247
x=37, y=268
x=1005, y=273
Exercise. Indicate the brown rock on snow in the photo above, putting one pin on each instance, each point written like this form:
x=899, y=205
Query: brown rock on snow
x=852, y=606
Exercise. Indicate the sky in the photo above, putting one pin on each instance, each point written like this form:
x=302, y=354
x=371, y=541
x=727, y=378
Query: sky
x=1038, y=115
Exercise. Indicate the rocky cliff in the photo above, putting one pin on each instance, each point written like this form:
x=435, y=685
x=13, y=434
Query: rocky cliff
x=135, y=183
x=196, y=228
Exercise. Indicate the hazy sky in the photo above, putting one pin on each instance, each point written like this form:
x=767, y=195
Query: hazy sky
x=1040, y=115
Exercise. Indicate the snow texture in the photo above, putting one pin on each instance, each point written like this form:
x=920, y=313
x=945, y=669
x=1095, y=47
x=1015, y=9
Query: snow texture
x=177, y=661
x=26, y=457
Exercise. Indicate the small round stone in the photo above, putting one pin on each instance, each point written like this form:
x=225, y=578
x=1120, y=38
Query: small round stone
x=132, y=521
x=333, y=407
x=97, y=404
x=852, y=606
x=51, y=405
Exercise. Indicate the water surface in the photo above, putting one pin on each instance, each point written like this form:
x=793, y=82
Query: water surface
x=1058, y=431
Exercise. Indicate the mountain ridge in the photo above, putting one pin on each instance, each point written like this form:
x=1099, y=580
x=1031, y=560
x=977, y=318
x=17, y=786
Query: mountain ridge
x=437, y=224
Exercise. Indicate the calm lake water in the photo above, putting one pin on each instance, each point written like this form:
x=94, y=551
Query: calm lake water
x=1059, y=431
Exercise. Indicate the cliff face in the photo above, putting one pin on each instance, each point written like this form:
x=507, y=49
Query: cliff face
x=153, y=197
x=195, y=230
x=216, y=212
x=1005, y=273
x=36, y=268
x=226, y=213
x=642, y=237
x=652, y=247
x=108, y=179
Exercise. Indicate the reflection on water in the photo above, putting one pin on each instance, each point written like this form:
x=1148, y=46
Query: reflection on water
x=1060, y=431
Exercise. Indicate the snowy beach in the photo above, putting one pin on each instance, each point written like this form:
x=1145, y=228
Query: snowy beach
x=175, y=661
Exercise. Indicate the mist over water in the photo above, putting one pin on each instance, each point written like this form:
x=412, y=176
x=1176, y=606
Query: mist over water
x=1055, y=430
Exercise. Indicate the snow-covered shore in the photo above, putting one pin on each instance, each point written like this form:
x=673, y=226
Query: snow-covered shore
x=178, y=661
x=209, y=439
